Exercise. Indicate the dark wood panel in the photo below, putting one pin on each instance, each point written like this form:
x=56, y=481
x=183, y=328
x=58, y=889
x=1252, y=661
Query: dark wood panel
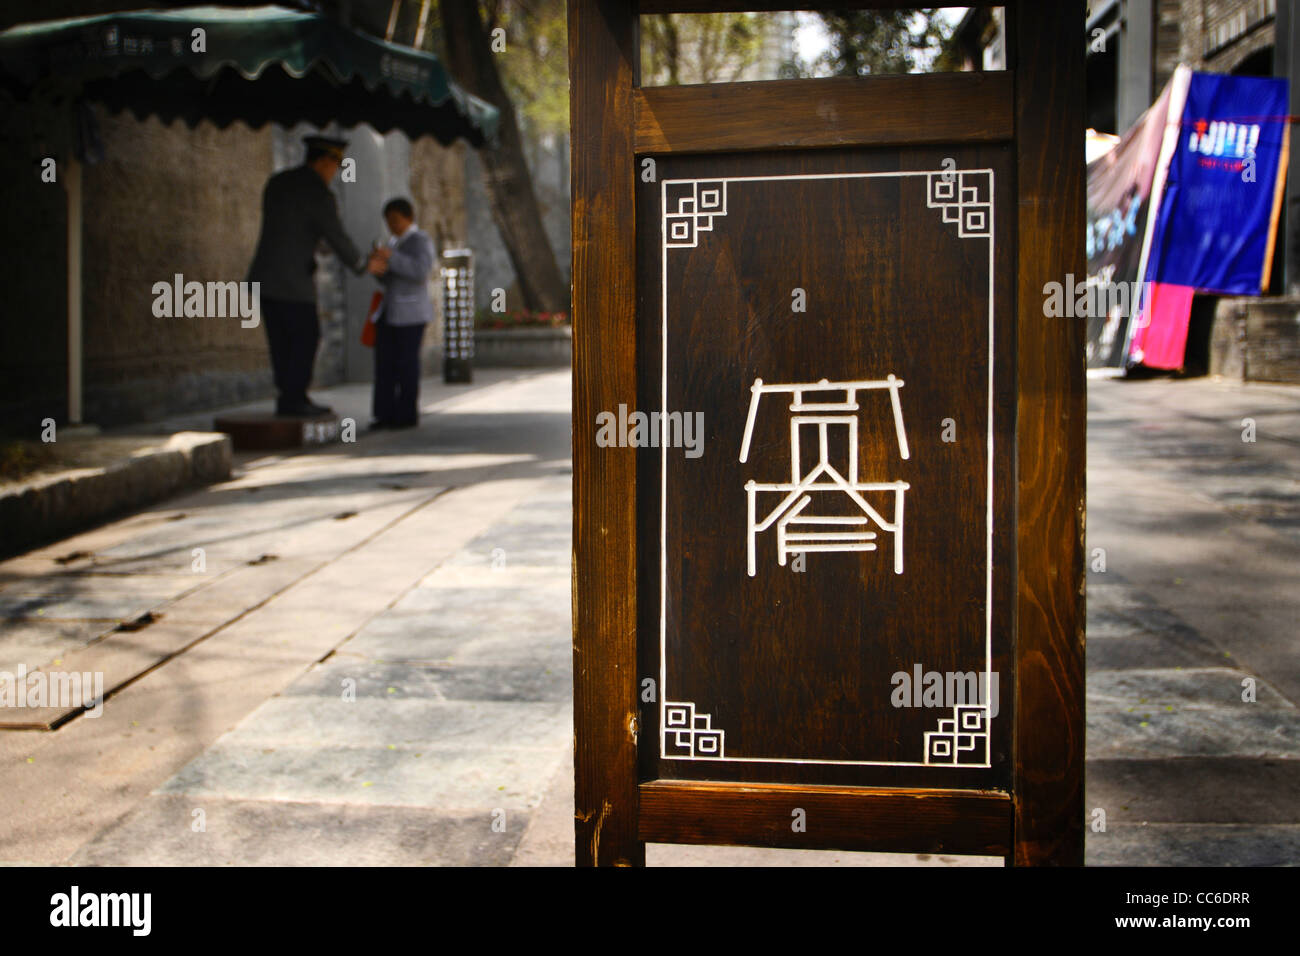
x=798, y=665
x=1050, y=434
x=886, y=821
x=602, y=49
x=838, y=111
x=756, y=6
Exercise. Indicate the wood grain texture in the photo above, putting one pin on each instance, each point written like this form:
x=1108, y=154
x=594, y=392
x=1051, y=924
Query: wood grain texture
x=1049, y=755
x=838, y=111
x=602, y=57
x=796, y=668
x=840, y=818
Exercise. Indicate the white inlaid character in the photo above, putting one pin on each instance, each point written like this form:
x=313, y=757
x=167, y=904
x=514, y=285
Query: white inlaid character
x=796, y=530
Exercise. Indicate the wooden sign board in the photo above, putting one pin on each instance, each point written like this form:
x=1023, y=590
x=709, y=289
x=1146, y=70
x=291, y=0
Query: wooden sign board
x=828, y=455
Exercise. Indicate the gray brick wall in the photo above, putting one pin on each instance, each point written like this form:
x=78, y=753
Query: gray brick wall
x=1216, y=35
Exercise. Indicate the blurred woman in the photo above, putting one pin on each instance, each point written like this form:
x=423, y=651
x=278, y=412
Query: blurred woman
x=403, y=268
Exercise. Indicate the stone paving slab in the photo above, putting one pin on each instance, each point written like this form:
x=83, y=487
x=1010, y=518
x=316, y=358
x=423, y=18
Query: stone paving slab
x=57, y=583
x=35, y=643
x=473, y=624
x=122, y=656
x=88, y=601
x=1137, y=618
x=442, y=681
x=1189, y=844
x=1195, y=790
x=160, y=832
x=115, y=660
x=194, y=604
x=1218, y=732
x=473, y=639
x=1138, y=650
x=402, y=639
x=409, y=722
x=449, y=780
x=511, y=576
x=1189, y=687
x=548, y=551
x=542, y=650
x=439, y=602
x=55, y=556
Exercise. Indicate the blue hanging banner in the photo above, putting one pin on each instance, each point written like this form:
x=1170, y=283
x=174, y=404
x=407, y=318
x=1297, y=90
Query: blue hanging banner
x=1215, y=228
x=1217, y=219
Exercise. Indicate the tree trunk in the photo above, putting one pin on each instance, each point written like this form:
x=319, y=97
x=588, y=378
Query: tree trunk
x=506, y=175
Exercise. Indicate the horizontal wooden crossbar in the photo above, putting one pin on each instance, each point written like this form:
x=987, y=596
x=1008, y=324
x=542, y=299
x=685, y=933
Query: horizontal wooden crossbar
x=837, y=111
x=760, y=6
x=974, y=822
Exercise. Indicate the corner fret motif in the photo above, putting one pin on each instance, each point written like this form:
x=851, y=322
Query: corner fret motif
x=690, y=734
x=961, y=740
x=689, y=208
x=964, y=198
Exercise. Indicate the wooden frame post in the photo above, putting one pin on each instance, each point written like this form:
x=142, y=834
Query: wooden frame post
x=1048, y=46
x=602, y=51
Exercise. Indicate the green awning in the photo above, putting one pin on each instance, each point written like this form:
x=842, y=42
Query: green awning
x=258, y=65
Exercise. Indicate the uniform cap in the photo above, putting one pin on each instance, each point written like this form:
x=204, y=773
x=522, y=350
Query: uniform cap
x=327, y=144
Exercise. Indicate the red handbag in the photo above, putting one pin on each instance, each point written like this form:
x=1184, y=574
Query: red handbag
x=368, y=330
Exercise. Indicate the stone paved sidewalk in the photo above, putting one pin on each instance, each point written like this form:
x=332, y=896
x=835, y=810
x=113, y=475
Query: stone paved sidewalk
x=1200, y=534
x=302, y=552
x=428, y=737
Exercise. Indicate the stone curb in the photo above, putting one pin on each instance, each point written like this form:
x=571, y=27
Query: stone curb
x=52, y=506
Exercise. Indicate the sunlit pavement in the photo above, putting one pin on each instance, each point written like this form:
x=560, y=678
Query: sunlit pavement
x=371, y=664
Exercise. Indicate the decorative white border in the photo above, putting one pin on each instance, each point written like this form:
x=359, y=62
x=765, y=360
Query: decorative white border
x=692, y=209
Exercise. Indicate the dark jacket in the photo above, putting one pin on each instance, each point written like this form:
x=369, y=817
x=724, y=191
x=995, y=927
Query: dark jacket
x=298, y=210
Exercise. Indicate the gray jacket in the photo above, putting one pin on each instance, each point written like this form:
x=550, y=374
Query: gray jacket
x=406, y=283
x=298, y=210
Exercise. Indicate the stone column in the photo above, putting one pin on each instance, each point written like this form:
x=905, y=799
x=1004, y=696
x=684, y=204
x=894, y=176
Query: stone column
x=1133, y=90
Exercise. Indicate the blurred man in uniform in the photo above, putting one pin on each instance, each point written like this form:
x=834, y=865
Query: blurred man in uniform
x=298, y=210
